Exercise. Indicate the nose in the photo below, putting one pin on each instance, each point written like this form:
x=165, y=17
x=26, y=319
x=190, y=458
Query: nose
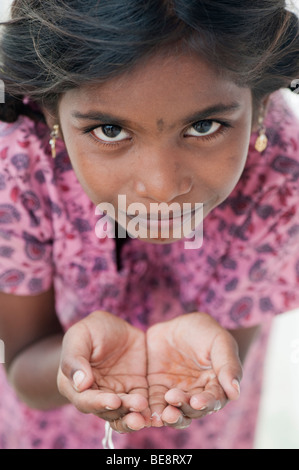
x=162, y=176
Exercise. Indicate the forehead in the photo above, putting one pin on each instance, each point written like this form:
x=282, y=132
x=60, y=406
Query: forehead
x=164, y=82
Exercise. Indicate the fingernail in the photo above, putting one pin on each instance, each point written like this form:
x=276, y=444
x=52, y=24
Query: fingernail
x=217, y=406
x=203, y=408
x=138, y=429
x=184, y=426
x=179, y=421
x=78, y=378
x=236, y=385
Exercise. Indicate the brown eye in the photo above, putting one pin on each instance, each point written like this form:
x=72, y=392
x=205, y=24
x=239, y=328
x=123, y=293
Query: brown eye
x=203, y=128
x=110, y=133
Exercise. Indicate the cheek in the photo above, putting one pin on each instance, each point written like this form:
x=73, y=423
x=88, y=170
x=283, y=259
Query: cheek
x=225, y=171
x=89, y=179
x=234, y=168
x=94, y=177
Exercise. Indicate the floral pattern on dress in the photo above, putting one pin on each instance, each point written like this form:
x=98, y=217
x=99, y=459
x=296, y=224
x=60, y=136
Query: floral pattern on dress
x=246, y=271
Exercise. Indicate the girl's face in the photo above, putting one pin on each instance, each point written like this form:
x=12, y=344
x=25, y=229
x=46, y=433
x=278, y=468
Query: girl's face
x=170, y=131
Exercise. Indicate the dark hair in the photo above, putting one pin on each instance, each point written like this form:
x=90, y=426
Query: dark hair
x=50, y=47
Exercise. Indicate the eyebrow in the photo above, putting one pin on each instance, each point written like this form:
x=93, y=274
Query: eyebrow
x=105, y=118
x=213, y=110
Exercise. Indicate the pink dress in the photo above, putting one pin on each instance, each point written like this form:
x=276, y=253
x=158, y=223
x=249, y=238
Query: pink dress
x=246, y=272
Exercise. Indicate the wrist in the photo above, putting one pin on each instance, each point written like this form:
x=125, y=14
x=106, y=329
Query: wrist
x=244, y=338
x=33, y=374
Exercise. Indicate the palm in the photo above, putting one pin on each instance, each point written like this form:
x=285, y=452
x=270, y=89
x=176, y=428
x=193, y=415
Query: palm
x=115, y=357
x=172, y=372
x=118, y=359
x=182, y=372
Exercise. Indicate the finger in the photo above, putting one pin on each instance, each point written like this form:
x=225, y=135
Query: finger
x=227, y=364
x=199, y=401
x=174, y=418
x=181, y=400
x=130, y=403
x=211, y=399
x=230, y=379
x=120, y=413
x=157, y=404
x=76, y=351
x=96, y=402
x=205, y=403
x=133, y=402
x=131, y=422
x=177, y=397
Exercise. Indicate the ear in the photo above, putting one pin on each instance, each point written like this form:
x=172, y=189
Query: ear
x=265, y=103
x=256, y=112
x=51, y=120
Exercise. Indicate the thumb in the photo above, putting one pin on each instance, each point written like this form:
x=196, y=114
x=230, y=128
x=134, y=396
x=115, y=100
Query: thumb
x=75, y=358
x=227, y=364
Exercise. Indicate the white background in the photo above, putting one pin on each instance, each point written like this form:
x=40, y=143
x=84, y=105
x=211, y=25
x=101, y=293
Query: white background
x=278, y=426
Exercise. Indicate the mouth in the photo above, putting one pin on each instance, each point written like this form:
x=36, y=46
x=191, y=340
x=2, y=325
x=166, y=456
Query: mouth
x=165, y=223
x=162, y=221
x=161, y=217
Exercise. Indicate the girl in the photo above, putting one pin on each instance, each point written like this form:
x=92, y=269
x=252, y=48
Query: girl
x=161, y=102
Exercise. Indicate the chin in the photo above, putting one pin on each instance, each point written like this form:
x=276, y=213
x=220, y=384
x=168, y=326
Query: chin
x=159, y=240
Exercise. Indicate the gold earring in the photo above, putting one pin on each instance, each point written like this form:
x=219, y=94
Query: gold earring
x=52, y=141
x=262, y=140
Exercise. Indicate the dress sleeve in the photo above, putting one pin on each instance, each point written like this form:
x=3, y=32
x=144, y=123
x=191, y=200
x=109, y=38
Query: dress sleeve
x=257, y=275
x=248, y=267
x=25, y=219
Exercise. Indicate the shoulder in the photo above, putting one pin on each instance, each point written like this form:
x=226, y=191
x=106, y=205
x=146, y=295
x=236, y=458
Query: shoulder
x=282, y=127
x=23, y=145
x=26, y=172
x=278, y=166
x=25, y=156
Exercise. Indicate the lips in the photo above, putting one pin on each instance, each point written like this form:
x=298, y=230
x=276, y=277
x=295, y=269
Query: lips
x=162, y=225
x=161, y=217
